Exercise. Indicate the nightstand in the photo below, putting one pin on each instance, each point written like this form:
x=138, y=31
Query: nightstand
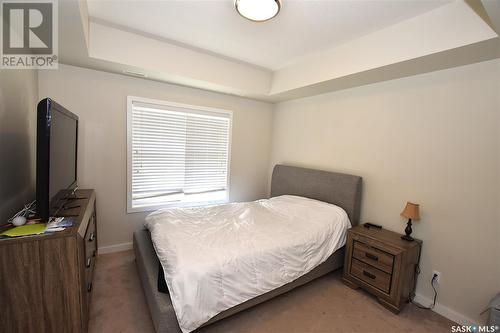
x=382, y=263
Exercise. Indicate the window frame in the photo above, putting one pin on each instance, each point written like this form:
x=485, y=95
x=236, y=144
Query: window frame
x=195, y=108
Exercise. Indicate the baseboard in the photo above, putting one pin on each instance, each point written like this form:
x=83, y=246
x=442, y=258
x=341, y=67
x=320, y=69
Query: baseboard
x=445, y=311
x=115, y=248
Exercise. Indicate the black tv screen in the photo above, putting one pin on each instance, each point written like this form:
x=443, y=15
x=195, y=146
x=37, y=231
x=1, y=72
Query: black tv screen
x=57, y=149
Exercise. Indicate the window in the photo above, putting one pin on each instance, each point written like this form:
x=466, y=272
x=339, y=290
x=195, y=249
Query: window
x=178, y=155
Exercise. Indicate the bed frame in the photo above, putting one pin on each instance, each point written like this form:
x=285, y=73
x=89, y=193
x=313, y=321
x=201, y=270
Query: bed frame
x=340, y=189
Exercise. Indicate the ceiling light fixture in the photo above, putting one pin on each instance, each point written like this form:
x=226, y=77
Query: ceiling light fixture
x=258, y=10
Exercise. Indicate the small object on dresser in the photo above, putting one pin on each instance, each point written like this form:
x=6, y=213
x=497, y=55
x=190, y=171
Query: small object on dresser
x=22, y=216
x=59, y=224
x=19, y=221
x=411, y=212
x=25, y=230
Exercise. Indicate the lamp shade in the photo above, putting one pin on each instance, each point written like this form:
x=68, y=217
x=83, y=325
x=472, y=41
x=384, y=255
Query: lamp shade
x=411, y=211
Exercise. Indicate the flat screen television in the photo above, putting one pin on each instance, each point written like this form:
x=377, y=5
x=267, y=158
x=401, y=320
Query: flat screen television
x=56, y=156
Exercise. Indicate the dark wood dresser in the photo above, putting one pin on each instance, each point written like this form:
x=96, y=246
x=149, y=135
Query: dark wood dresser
x=46, y=280
x=380, y=262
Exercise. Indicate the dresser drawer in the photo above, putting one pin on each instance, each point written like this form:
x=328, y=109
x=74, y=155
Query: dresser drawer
x=88, y=277
x=90, y=244
x=375, y=257
x=91, y=238
x=90, y=251
x=371, y=275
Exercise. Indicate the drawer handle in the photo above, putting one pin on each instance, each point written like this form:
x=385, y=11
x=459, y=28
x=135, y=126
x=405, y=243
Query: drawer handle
x=88, y=263
x=371, y=256
x=370, y=275
x=89, y=287
x=91, y=237
x=93, y=253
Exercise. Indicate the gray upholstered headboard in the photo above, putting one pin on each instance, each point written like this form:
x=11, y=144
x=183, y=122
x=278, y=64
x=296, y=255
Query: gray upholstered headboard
x=339, y=189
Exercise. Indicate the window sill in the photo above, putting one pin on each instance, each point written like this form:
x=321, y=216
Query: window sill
x=152, y=208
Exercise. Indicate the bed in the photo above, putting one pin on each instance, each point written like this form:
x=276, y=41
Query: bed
x=339, y=189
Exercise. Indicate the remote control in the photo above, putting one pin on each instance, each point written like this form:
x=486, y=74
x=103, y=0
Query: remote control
x=368, y=225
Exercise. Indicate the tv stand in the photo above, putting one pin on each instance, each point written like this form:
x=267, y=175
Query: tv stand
x=46, y=280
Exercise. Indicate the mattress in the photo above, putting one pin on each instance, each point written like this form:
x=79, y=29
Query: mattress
x=218, y=257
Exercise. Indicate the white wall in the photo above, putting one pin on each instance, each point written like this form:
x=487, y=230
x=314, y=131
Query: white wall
x=18, y=101
x=99, y=99
x=431, y=139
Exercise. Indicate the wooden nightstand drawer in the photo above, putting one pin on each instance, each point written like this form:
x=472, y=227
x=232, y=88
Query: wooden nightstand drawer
x=371, y=275
x=375, y=257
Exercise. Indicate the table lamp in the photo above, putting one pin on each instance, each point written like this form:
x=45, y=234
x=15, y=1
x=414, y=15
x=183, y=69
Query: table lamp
x=411, y=212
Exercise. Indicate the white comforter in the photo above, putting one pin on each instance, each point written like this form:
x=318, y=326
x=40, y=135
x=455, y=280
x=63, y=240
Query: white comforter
x=217, y=257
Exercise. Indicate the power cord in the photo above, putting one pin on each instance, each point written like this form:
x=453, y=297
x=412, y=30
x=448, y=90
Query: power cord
x=412, y=295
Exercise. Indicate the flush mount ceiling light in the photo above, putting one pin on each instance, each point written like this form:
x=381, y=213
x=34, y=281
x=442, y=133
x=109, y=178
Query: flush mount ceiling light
x=258, y=10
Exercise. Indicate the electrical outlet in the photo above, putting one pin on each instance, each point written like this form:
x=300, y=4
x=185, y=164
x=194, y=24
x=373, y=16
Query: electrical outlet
x=438, y=277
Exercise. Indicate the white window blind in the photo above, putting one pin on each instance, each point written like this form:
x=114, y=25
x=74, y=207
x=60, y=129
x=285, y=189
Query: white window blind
x=177, y=155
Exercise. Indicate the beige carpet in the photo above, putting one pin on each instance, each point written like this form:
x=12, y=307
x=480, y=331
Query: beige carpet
x=324, y=305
